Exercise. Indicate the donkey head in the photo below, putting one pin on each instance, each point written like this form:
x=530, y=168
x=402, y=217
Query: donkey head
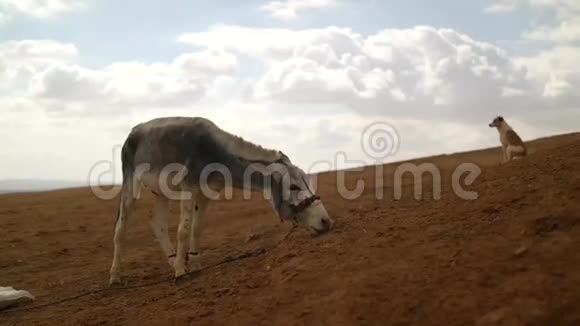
x=294, y=199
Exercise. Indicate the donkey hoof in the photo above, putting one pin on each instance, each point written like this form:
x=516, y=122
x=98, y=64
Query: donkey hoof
x=114, y=282
x=181, y=279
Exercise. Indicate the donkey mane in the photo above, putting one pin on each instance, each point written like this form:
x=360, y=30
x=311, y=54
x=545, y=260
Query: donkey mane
x=244, y=149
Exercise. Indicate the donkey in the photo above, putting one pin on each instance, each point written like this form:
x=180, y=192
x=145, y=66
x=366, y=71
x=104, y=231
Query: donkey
x=191, y=160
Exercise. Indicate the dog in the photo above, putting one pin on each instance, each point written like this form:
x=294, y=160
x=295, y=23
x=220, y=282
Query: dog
x=512, y=145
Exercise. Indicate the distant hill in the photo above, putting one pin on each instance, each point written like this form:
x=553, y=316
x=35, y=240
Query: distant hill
x=32, y=185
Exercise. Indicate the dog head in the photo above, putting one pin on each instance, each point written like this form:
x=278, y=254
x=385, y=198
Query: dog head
x=497, y=122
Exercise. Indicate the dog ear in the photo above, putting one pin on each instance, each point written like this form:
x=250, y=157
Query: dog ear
x=500, y=118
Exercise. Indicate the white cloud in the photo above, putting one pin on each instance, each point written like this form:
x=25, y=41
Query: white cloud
x=46, y=70
x=4, y=18
x=37, y=51
x=21, y=60
x=394, y=70
x=68, y=83
x=289, y=9
x=40, y=9
x=560, y=59
x=502, y=6
x=564, y=25
x=566, y=32
x=556, y=73
x=417, y=73
x=563, y=7
x=208, y=62
x=270, y=43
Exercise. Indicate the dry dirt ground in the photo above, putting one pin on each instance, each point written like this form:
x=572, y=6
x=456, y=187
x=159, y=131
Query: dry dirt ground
x=509, y=257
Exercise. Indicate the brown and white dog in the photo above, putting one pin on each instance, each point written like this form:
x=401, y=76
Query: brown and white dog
x=512, y=145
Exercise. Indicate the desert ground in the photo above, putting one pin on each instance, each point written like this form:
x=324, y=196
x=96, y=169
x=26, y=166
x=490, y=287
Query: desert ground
x=509, y=257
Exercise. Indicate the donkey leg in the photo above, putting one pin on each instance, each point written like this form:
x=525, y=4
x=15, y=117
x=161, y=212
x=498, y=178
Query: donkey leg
x=182, y=233
x=194, y=254
x=160, y=227
x=125, y=207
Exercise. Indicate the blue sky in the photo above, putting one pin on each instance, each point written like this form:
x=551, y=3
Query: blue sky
x=146, y=30
x=76, y=75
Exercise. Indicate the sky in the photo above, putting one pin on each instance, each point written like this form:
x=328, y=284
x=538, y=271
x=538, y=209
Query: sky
x=332, y=83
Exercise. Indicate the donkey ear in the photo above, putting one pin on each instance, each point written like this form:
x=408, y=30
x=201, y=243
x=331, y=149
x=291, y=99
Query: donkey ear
x=283, y=157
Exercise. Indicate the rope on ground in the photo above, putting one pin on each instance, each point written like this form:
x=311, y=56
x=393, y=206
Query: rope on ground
x=228, y=259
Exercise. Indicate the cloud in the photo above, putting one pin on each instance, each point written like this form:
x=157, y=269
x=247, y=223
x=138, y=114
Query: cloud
x=566, y=32
x=46, y=71
x=21, y=60
x=416, y=73
x=37, y=51
x=289, y=9
x=38, y=9
x=269, y=43
x=564, y=25
x=395, y=71
x=553, y=72
x=556, y=73
x=208, y=62
x=502, y=6
x=4, y=18
x=563, y=7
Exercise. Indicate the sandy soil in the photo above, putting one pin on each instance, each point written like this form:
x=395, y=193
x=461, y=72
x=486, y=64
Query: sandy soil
x=510, y=257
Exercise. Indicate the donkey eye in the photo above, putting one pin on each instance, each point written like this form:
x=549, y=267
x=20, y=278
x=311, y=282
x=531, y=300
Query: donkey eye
x=294, y=188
